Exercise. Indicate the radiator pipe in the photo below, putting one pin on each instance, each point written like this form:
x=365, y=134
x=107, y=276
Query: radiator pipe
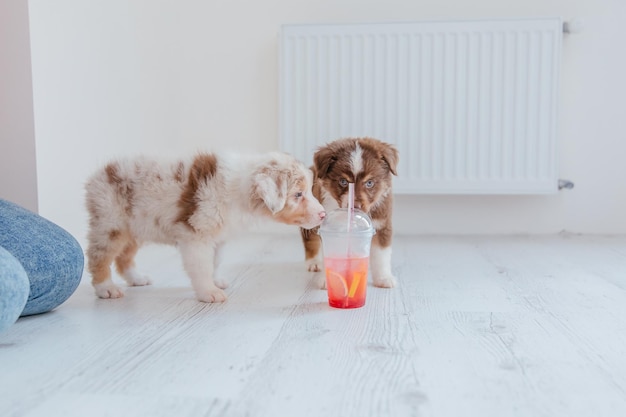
x=565, y=184
x=573, y=26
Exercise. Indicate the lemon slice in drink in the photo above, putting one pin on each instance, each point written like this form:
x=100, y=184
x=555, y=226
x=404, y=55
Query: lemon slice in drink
x=356, y=279
x=336, y=284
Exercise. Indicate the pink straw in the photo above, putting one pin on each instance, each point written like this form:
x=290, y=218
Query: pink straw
x=350, y=203
x=350, y=216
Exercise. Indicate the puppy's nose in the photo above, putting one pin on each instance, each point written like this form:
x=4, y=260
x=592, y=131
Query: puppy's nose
x=322, y=214
x=357, y=204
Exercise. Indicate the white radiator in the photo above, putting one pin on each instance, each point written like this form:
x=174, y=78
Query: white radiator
x=472, y=106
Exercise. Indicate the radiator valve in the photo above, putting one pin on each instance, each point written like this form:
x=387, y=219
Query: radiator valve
x=565, y=184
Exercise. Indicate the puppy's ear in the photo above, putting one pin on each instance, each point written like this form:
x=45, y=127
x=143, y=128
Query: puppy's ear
x=390, y=156
x=269, y=188
x=323, y=161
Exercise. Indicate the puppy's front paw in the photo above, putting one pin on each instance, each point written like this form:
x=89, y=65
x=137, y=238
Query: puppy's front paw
x=212, y=296
x=108, y=290
x=385, y=281
x=320, y=280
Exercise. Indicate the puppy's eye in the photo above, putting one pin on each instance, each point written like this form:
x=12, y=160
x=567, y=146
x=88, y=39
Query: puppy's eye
x=298, y=194
x=343, y=182
x=369, y=184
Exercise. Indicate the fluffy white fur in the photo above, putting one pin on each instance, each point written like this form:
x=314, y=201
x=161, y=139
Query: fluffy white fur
x=195, y=204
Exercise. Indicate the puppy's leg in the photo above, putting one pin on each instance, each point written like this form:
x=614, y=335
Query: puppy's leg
x=313, y=254
x=125, y=263
x=102, y=250
x=312, y=249
x=380, y=259
x=199, y=262
x=218, y=257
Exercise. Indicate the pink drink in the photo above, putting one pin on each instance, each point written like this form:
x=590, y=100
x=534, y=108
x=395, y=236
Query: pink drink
x=346, y=281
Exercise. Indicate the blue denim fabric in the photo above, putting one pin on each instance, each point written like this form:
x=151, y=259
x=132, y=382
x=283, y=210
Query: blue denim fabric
x=14, y=288
x=52, y=258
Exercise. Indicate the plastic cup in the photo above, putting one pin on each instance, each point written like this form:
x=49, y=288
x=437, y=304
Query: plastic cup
x=346, y=240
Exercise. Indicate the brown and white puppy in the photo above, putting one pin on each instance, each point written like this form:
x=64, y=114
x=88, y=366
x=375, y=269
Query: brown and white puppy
x=195, y=204
x=369, y=164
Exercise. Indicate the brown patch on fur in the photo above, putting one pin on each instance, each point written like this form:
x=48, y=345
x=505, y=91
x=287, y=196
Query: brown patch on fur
x=123, y=187
x=112, y=171
x=382, y=238
x=100, y=257
x=202, y=170
x=381, y=212
x=125, y=259
x=280, y=177
x=120, y=247
x=310, y=237
x=99, y=268
x=312, y=242
x=114, y=234
x=94, y=214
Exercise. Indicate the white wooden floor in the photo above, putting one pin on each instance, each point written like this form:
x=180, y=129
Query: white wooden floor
x=479, y=326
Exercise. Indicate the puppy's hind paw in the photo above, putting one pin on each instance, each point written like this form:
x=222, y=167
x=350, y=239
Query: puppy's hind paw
x=141, y=280
x=386, y=281
x=212, y=296
x=221, y=284
x=108, y=290
x=135, y=279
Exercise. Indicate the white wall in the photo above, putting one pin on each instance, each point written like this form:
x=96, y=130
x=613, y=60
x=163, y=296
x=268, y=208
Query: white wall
x=18, y=169
x=115, y=77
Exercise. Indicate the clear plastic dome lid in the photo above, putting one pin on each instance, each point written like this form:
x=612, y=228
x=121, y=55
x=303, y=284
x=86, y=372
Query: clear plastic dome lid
x=340, y=221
